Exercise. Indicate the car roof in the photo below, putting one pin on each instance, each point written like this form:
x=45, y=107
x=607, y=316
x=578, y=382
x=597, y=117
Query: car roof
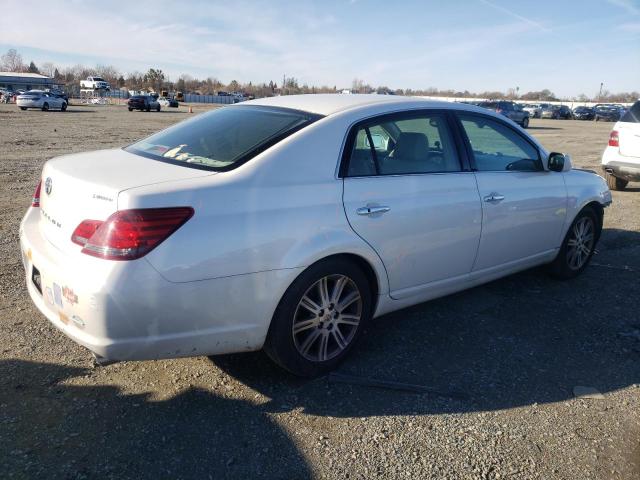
x=328, y=104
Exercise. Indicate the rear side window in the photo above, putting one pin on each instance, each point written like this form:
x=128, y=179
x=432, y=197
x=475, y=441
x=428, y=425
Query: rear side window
x=403, y=144
x=496, y=147
x=633, y=114
x=224, y=138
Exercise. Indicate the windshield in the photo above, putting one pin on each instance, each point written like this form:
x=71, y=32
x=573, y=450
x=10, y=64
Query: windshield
x=223, y=138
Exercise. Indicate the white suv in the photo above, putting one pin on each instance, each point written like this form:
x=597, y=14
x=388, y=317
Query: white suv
x=621, y=159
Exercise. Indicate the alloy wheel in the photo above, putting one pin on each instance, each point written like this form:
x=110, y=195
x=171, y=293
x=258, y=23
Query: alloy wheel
x=327, y=318
x=580, y=244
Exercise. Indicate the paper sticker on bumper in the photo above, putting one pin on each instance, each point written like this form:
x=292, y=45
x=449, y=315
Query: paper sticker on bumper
x=57, y=294
x=48, y=295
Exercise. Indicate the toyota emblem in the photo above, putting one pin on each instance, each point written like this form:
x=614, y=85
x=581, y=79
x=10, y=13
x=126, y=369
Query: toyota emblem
x=48, y=184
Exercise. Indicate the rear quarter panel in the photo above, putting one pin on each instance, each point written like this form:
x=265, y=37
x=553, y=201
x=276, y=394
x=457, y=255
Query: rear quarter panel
x=281, y=210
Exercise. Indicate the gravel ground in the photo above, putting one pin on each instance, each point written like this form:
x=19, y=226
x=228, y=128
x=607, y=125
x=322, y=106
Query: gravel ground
x=501, y=362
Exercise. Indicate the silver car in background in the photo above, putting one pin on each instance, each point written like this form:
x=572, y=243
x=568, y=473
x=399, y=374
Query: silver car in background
x=41, y=100
x=534, y=110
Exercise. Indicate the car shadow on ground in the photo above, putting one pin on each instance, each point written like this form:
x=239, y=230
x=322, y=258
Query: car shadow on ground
x=51, y=427
x=518, y=341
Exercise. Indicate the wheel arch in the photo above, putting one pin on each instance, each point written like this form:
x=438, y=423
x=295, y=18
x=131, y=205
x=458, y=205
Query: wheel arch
x=376, y=279
x=598, y=209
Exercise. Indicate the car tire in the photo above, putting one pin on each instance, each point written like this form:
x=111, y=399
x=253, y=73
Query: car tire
x=23, y=108
x=525, y=122
x=63, y=107
x=615, y=183
x=158, y=108
x=130, y=109
x=45, y=107
x=578, y=245
x=308, y=335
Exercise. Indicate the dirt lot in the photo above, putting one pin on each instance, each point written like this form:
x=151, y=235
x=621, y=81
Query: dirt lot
x=503, y=360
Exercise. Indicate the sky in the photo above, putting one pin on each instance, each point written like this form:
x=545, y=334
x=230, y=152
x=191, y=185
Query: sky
x=567, y=46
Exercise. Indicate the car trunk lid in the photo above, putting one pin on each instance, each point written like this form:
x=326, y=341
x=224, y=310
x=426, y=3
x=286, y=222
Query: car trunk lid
x=86, y=186
x=629, y=138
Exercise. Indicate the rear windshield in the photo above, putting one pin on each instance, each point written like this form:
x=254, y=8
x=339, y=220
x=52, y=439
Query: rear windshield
x=224, y=138
x=633, y=114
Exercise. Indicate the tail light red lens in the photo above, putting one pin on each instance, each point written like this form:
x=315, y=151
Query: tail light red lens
x=614, y=139
x=35, y=201
x=129, y=234
x=85, y=231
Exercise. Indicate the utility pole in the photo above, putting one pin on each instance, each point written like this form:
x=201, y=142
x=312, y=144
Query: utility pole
x=600, y=93
x=284, y=76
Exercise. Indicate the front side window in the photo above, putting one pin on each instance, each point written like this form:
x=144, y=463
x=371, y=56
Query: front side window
x=223, y=138
x=496, y=147
x=403, y=144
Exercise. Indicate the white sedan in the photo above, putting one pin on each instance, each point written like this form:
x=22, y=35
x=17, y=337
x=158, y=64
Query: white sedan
x=41, y=100
x=289, y=222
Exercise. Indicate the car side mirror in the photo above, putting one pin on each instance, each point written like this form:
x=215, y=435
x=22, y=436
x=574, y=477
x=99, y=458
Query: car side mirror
x=559, y=162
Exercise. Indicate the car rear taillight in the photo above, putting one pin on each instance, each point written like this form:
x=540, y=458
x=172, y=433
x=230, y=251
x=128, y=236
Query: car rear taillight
x=85, y=231
x=35, y=201
x=614, y=139
x=130, y=234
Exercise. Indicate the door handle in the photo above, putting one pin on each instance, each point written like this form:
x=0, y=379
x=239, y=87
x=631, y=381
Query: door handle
x=494, y=198
x=372, y=210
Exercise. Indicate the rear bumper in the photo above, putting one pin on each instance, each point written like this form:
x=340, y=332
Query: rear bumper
x=29, y=103
x=128, y=311
x=626, y=168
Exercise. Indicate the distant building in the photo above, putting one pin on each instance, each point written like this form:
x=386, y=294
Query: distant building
x=26, y=81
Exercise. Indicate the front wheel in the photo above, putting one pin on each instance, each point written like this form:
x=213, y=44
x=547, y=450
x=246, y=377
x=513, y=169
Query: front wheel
x=23, y=108
x=45, y=107
x=130, y=109
x=319, y=318
x=525, y=122
x=578, y=246
x=64, y=106
x=615, y=183
x=158, y=108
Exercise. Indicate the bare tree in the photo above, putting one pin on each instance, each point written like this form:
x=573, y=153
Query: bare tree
x=12, y=61
x=48, y=69
x=108, y=72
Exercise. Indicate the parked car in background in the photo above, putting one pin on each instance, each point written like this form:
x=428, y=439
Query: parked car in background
x=534, y=110
x=510, y=110
x=41, y=100
x=621, y=158
x=168, y=102
x=584, y=113
x=95, y=83
x=6, y=96
x=290, y=222
x=557, y=112
x=606, y=112
x=143, y=103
